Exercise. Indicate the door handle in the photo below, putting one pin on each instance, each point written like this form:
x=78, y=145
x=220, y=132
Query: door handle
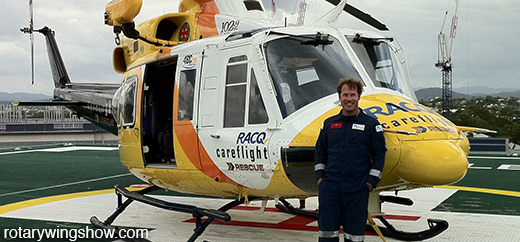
x=215, y=136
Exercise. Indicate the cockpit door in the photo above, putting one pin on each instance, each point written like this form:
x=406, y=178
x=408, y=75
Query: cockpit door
x=128, y=114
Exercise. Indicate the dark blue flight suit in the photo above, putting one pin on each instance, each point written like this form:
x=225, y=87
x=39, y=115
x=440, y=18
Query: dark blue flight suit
x=343, y=155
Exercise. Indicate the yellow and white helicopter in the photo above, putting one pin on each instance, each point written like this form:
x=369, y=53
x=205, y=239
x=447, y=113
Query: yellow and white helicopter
x=225, y=99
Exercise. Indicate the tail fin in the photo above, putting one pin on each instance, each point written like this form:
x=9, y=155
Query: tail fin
x=59, y=72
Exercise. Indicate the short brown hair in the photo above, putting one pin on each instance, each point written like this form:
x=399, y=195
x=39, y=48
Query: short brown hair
x=352, y=83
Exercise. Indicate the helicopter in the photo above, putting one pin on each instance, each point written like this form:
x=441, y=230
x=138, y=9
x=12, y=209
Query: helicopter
x=226, y=99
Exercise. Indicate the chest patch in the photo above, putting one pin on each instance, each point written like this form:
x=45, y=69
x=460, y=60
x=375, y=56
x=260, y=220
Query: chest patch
x=336, y=125
x=360, y=127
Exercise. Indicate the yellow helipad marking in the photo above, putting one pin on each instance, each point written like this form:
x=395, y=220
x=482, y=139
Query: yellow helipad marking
x=38, y=201
x=483, y=190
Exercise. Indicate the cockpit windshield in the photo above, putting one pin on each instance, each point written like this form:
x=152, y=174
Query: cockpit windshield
x=306, y=68
x=381, y=63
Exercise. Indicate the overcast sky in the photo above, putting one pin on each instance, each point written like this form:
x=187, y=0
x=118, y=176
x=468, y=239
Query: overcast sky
x=484, y=52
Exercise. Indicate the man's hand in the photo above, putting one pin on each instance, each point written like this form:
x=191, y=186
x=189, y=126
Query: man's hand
x=370, y=187
x=319, y=180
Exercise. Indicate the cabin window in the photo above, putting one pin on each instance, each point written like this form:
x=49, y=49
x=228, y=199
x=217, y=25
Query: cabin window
x=257, y=112
x=253, y=5
x=379, y=61
x=186, y=94
x=306, y=68
x=235, y=100
x=128, y=101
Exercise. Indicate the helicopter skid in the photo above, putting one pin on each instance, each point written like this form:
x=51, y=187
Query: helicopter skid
x=140, y=196
x=436, y=226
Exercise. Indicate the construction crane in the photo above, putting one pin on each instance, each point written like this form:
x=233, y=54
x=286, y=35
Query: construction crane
x=444, y=62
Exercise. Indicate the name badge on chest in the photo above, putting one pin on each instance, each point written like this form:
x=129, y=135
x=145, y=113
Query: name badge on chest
x=360, y=127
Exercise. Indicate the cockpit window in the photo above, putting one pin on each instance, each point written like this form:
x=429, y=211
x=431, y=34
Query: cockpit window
x=303, y=71
x=116, y=106
x=128, y=101
x=379, y=61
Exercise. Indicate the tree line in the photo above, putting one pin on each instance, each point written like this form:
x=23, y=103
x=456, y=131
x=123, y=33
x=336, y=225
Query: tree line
x=495, y=113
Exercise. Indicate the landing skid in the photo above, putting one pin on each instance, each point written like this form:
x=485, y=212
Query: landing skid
x=139, y=196
x=435, y=226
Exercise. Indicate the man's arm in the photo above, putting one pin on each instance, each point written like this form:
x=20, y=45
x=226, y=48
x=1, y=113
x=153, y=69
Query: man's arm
x=378, y=151
x=320, y=154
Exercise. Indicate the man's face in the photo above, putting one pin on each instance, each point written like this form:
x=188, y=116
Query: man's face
x=349, y=100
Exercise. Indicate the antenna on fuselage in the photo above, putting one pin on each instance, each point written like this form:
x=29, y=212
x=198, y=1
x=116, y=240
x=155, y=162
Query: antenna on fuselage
x=332, y=16
x=364, y=17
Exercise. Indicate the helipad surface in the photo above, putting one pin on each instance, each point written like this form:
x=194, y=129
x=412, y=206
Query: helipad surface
x=62, y=187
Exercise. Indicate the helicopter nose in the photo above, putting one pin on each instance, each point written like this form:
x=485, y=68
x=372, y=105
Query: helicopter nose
x=435, y=162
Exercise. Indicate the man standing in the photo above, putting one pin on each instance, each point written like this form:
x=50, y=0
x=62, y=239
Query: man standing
x=349, y=156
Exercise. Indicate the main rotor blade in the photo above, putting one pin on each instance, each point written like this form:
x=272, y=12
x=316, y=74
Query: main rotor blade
x=366, y=18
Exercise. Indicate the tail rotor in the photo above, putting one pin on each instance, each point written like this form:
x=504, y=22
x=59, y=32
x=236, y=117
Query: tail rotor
x=29, y=30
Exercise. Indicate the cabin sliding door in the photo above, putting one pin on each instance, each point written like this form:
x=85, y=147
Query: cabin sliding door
x=233, y=122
